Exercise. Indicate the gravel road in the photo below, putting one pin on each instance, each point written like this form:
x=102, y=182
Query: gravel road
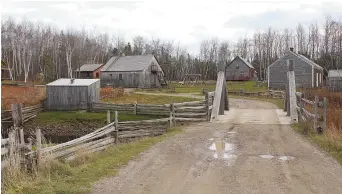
x=251, y=149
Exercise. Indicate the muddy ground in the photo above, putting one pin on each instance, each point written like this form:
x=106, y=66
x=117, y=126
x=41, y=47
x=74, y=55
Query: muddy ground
x=252, y=149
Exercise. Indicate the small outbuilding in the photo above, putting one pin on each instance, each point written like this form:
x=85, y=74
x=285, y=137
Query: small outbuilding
x=239, y=69
x=334, y=81
x=72, y=94
x=90, y=71
x=308, y=74
x=140, y=71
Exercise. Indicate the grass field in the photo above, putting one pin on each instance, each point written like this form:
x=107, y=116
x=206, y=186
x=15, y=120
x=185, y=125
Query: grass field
x=79, y=175
x=56, y=117
x=146, y=99
x=247, y=86
x=278, y=102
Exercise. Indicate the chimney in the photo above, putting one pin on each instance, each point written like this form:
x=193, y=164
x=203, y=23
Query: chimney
x=72, y=80
x=291, y=49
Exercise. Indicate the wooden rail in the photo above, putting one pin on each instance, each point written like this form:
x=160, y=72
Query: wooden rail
x=316, y=117
x=27, y=113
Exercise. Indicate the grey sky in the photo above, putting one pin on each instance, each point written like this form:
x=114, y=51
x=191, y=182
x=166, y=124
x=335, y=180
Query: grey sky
x=188, y=22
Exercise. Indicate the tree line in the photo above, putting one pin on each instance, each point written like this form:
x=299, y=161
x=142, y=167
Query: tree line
x=39, y=51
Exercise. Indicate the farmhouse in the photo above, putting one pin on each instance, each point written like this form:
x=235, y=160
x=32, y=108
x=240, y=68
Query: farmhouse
x=142, y=71
x=90, y=71
x=239, y=69
x=307, y=73
x=334, y=81
x=72, y=94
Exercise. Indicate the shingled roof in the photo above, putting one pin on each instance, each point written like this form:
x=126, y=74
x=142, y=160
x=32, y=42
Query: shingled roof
x=243, y=60
x=90, y=67
x=128, y=63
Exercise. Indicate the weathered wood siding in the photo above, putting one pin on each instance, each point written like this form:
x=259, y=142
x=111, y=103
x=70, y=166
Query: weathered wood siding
x=303, y=72
x=130, y=79
x=71, y=97
x=243, y=73
x=334, y=84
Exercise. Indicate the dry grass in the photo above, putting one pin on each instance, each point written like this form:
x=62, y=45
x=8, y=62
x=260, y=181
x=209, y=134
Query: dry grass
x=334, y=108
x=109, y=92
x=28, y=96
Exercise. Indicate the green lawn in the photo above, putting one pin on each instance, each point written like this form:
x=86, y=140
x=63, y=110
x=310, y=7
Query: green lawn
x=248, y=86
x=147, y=99
x=56, y=117
x=78, y=176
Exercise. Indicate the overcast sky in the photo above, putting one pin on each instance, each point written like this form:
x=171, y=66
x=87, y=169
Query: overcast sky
x=188, y=22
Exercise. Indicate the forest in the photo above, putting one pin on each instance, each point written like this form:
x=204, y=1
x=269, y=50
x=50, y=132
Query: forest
x=38, y=51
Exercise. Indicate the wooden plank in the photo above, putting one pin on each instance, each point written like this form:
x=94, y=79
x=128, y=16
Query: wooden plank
x=200, y=102
x=308, y=101
x=192, y=115
x=316, y=113
x=218, y=96
x=190, y=119
x=38, y=146
x=293, y=98
x=325, y=104
x=116, y=121
x=4, y=151
x=17, y=114
x=4, y=141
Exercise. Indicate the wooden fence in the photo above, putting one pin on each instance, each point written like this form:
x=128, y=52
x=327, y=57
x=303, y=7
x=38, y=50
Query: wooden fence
x=318, y=114
x=184, y=111
x=267, y=94
x=27, y=113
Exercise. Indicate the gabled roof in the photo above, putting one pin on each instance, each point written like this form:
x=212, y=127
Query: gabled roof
x=308, y=61
x=243, y=60
x=128, y=63
x=76, y=82
x=90, y=67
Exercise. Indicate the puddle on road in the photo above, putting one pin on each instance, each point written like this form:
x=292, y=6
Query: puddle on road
x=283, y=158
x=267, y=156
x=223, y=150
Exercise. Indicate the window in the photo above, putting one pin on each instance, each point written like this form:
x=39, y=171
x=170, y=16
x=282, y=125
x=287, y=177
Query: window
x=111, y=75
x=237, y=66
x=97, y=75
x=120, y=76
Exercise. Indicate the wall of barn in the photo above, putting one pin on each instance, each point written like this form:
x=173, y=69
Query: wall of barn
x=140, y=79
x=71, y=97
x=243, y=73
x=278, y=72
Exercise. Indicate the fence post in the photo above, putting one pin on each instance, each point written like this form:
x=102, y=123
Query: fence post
x=301, y=105
x=108, y=116
x=38, y=146
x=116, y=128
x=207, y=106
x=11, y=146
x=325, y=113
x=316, y=112
x=17, y=114
x=135, y=108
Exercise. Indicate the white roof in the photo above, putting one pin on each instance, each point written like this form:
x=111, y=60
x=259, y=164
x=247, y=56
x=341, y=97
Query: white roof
x=76, y=82
x=335, y=73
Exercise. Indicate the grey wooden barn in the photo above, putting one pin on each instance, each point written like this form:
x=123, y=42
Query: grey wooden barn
x=239, y=69
x=141, y=71
x=307, y=73
x=334, y=81
x=72, y=94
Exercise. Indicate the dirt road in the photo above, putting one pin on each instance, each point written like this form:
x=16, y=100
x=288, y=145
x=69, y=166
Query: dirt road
x=251, y=149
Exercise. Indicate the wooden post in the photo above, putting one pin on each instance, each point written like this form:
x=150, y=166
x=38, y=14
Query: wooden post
x=316, y=112
x=172, y=115
x=38, y=146
x=17, y=114
x=288, y=96
x=21, y=132
x=135, y=108
x=325, y=102
x=116, y=128
x=207, y=106
x=11, y=146
x=301, y=104
x=170, y=118
x=108, y=116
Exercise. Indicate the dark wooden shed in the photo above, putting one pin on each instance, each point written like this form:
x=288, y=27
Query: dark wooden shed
x=239, y=69
x=308, y=74
x=90, y=71
x=72, y=94
x=140, y=71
